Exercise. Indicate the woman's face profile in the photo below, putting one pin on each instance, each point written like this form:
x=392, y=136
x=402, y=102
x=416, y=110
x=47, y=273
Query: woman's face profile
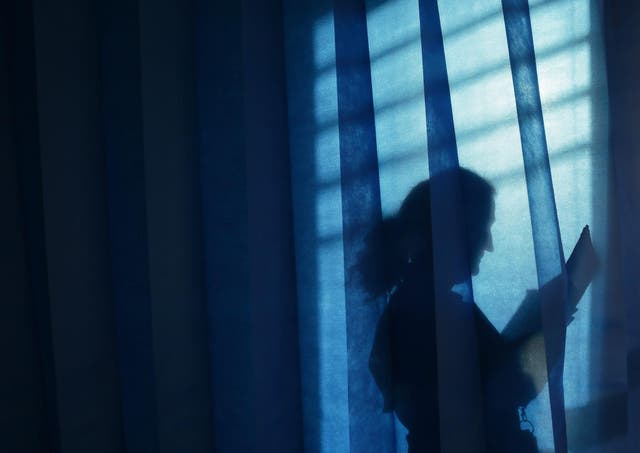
x=480, y=237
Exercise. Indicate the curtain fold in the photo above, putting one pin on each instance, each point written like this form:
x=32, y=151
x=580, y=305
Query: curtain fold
x=550, y=262
x=37, y=427
x=369, y=428
x=622, y=69
x=124, y=149
x=459, y=383
x=318, y=244
x=246, y=212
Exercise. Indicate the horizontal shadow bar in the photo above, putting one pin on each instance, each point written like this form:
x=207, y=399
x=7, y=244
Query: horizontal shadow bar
x=456, y=83
x=410, y=40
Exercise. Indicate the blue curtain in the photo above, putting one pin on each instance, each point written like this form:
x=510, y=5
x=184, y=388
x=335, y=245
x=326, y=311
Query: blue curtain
x=320, y=226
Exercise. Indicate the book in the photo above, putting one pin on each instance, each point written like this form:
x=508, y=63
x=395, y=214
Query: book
x=581, y=268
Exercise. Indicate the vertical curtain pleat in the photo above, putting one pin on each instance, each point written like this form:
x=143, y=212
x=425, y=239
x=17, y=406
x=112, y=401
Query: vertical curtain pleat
x=317, y=215
x=369, y=429
x=174, y=226
x=246, y=199
x=20, y=414
x=75, y=223
x=623, y=71
x=30, y=407
x=544, y=218
x=124, y=148
x=271, y=250
x=459, y=383
x=223, y=179
x=21, y=58
x=398, y=98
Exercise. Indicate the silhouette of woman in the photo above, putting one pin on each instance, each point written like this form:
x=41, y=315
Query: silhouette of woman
x=403, y=357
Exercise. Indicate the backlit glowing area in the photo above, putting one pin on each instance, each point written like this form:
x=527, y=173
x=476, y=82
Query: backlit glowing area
x=570, y=66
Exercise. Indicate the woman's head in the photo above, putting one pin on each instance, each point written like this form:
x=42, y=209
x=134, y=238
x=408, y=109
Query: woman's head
x=407, y=236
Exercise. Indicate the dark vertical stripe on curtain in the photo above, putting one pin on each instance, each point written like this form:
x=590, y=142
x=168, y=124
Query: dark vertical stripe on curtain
x=174, y=226
x=247, y=227
x=459, y=383
x=21, y=387
x=18, y=34
x=124, y=148
x=224, y=209
x=300, y=17
x=270, y=235
x=76, y=229
x=544, y=217
x=623, y=70
x=369, y=429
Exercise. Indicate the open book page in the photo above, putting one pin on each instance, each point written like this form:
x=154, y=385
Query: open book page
x=581, y=268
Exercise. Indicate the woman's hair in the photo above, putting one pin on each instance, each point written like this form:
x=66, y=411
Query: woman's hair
x=393, y=243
